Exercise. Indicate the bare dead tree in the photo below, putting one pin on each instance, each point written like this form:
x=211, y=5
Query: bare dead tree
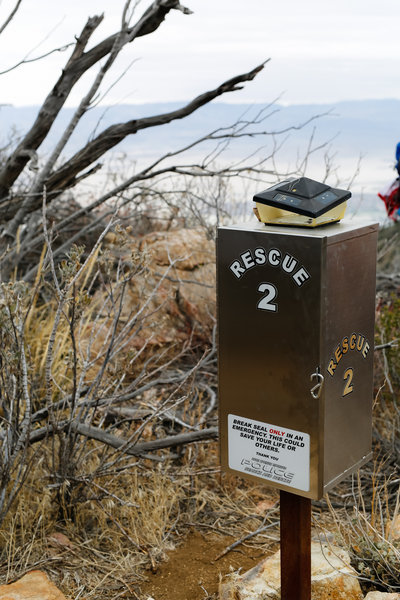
x=14, y=208
x=23, y=177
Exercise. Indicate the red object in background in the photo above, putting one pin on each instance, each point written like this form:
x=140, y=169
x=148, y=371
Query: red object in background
x=391, y=198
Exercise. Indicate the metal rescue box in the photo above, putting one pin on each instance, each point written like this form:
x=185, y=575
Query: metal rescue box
x=296, y=339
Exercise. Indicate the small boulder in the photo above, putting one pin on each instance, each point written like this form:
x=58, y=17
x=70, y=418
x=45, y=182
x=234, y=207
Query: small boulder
x=170, y=301
x=381, y=596
x=181, y=267
x=187, y=248
x=32, y=586
x=331, y=578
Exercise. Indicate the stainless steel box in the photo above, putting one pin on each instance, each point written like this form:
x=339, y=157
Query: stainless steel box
x=296, y=314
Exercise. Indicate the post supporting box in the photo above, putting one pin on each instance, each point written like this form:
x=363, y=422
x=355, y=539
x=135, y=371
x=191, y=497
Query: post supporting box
x=296, y=340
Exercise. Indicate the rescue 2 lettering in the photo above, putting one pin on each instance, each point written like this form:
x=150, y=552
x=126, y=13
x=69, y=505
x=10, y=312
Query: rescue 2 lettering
x=354, y=342
x=273, y=258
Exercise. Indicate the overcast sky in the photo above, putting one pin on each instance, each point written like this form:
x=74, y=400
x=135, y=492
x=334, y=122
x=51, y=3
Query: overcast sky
x=321, y=52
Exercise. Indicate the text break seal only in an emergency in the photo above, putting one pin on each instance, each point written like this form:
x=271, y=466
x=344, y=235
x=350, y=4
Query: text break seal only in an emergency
x=270, y=452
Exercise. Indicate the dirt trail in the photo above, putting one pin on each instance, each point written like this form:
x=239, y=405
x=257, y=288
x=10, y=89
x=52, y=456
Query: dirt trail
x=190, y=572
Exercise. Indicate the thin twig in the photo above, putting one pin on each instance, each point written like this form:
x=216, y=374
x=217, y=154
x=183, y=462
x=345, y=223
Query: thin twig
x=391, y=344
x=10, y=16
x=245, y=538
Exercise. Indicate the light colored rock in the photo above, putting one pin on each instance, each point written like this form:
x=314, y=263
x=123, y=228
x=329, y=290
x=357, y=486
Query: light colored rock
x=381, y=596
x=332, y=578
x=182, y=264
x=32, y=586
x=393, y=529
x=174, y=295
x=264, y=505
x=190, y=248
x=59, y=540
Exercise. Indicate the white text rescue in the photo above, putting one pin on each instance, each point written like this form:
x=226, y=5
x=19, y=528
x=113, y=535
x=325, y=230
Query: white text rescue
x=274, y=258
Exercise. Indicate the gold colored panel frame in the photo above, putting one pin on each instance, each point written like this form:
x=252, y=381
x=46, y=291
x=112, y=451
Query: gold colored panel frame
x=277, y=216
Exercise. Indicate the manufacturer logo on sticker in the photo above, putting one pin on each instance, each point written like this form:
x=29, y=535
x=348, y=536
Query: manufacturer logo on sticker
x=259, y=467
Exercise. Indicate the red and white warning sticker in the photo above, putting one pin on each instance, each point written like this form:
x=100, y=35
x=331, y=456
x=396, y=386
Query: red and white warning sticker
x=278, y=454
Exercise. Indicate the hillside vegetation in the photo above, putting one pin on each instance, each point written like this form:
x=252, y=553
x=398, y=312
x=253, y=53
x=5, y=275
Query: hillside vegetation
x=109, y=397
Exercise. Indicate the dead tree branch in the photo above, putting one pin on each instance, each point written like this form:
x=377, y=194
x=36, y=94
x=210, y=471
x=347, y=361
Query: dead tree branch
x=10, y=16
x=387, y=282
x=133, y=449
x=249, y=536
x=391, y=344
x=26, y=61
x=64, y=178
x=78, y=64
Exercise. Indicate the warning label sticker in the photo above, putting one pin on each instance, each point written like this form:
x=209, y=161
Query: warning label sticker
x=268, y=451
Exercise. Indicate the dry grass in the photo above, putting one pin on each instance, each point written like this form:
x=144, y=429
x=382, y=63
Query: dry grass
x=124, y=524
x=368, y=534
x=120, y=515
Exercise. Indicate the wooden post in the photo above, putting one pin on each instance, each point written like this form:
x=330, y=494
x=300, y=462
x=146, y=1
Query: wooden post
x=295, y=513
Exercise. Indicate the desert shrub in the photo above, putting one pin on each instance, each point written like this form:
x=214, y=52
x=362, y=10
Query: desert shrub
x=368, y=527
x=367, y=505
x=75, y=368
x=388, y=330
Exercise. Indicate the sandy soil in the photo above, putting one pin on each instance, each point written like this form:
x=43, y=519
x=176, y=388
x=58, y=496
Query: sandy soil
x=191, y=572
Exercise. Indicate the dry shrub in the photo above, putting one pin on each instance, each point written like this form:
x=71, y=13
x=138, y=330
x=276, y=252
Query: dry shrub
x=368, y=534
x=118, y=514
x=370, y=500
x=125, y=522
x=387, y=365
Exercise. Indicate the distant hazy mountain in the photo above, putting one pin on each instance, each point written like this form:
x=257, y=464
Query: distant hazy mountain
x=370, y=128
